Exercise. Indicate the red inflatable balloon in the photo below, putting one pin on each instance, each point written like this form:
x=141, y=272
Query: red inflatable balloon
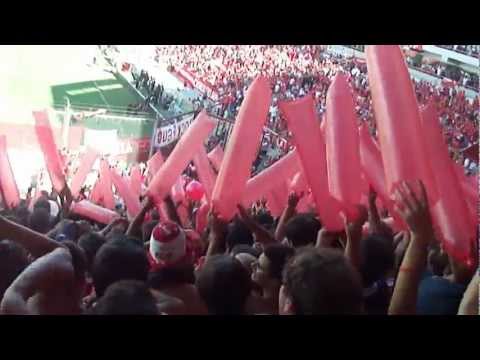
x=451, y=211
x=216, y=157
x=106, y=185
x=195, y=190
x=303, y=123
x=86, y=165
x=271, y=178
x=132, y=202
x=201, y=218
x=242, y=148
x=93, y=212
x=154, y=164
x=205, y=172
x=341, y=138
x=372, y=168
x=398, y=119
x=182, y=154
x=8, y=185
x=49, y=149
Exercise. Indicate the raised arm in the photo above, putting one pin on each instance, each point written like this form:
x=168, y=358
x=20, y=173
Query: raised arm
x=353, y=233
x=416, y=214
x=261, y=234
x=35, y=243
x=471, y=301
x=46, y=273
x=137, y=221
x=287, y=214
x=217, y=235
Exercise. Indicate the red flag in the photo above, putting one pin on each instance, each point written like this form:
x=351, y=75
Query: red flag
x=398, y=119
x=132, y=202
x=182, y=154
x=106, y=186
x=94, y=212
x=302, y=122
x=451, y=211
x=86, y=165
x=242, y=148
x=8, y=185
x=49, y=149
x=341, y=138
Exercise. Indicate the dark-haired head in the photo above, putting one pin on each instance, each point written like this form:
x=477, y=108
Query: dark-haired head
x=302, y=230
x=119, y=259
x=91, y=243
x=320, y=282
x=13, y=260
x=224, y=285
x=126, y=297
x=42, y=202
x=40, y=220
x=238, y=233
x=378, y=257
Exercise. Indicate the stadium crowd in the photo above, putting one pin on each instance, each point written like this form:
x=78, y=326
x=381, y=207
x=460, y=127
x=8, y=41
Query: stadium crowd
x=176, y=259
x=296, y=70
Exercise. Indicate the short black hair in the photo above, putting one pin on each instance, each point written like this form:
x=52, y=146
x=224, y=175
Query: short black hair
x=378, y=257
x=224, y=285
x=278, y=255
x=302, y=230
x=172, y=275
x=238, y=233
x=91, y=243
x=119, y=259
x=126, y=297
x=40, y=220
x=42, y=203
x=13, y=260
x=322, y=282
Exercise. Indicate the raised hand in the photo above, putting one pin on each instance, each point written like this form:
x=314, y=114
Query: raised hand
x=414, y=209
x=294, y=198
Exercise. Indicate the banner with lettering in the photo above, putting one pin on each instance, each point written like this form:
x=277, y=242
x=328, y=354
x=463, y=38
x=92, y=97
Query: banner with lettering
x=165, y=135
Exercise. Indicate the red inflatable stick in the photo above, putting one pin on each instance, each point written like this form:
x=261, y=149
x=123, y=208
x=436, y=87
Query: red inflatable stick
x=93, y=212
x=201, y=218
x=298, y=185
x=216, y=156
x=8, y=185
x=271, y=177
x=205, y=172
x=86, y=165
x=136, y=181
x=451, y=211
x=341, y=139
x=273, y=205
x=95, y=195
x=398, y=119
x=154, y=164
x=132, y=202
x=303, y=123
x=49, y=149
x=106, y=186
x=242, y=148
x=186, y=148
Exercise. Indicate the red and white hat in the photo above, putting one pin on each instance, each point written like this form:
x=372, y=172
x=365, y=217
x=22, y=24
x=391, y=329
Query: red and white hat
x=168, y=244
